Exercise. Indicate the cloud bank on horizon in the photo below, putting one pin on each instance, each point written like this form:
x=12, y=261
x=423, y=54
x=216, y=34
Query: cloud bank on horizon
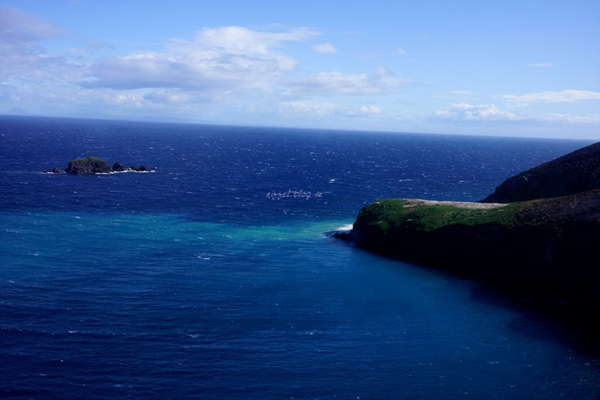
x=519, y=69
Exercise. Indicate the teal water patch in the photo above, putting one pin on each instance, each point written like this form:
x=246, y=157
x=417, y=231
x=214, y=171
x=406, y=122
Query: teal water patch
x=296, y=230
x=40, y=240
x=60, y=226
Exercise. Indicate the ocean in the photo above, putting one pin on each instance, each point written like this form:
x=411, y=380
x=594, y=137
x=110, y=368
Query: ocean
x=213, y=277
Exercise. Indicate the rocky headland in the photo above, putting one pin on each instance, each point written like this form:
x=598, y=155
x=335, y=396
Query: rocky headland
x=537, y=236
x=95, y=165
x=573, y=173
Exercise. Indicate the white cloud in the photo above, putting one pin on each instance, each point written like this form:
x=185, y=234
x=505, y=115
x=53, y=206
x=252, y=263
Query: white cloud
x=211, y=75
x=328, y=112
x=238, y=39
x=129, y=100
x=455, y=94
x=470, y=112
x=337, y=83
x=401, y=52
x=406, y=116
x=223, y=58
x=463, y=112
x=461, y=92
x=325, y=48
x=364, y=110
x=230, y=60
x=568, y=118
x=563, y=96
x=306, y=108
x=172, y=96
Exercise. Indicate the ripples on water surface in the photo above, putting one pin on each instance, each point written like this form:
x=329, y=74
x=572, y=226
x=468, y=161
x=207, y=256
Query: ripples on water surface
x=191, y=282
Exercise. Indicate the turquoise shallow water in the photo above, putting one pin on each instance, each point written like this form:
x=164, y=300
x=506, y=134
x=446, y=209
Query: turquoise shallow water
x=188, y=284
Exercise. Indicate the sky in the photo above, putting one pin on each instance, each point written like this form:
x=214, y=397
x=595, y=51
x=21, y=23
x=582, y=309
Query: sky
x=526, y=68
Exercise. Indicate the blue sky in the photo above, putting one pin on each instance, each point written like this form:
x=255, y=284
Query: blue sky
x=517, y=68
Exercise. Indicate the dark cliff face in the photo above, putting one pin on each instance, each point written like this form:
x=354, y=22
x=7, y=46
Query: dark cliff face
x=549, y=252
x=544, y=234
x=573, y=173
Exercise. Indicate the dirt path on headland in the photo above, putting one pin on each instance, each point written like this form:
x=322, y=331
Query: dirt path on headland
x=461, y=204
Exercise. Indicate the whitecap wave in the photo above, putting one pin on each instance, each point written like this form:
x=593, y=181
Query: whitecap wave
x=126, y=171
x=129, y=170
x=345, y=228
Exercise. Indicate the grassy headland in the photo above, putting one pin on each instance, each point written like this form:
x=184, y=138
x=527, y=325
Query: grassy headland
x=540, y=242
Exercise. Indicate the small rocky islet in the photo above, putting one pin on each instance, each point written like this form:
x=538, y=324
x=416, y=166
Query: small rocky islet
x=95, y=165
x=537, y=235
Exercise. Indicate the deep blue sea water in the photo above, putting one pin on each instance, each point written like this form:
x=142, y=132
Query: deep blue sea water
x=212, y=278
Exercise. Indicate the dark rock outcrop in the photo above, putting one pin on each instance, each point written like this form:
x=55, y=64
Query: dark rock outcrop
x=94, y=165
x=88, y=165
x=141, y=168
x=118, y=167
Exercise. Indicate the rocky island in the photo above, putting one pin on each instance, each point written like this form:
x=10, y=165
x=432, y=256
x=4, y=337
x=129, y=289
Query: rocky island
x=95, y=165
x=537, y=235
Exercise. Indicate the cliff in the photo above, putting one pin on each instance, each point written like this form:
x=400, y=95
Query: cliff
x=543, y=248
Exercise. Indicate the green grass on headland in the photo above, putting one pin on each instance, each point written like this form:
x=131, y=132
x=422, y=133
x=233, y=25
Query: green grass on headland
x=401, y=213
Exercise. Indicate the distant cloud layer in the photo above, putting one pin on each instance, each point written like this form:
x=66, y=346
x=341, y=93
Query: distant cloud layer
x=464, y=112
x=470, y=112
x=337, y=83
x=563, y=96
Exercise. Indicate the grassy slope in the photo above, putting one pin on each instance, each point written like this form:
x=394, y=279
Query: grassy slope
x=88, y=160
x=392, y=214
x=395, y=213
